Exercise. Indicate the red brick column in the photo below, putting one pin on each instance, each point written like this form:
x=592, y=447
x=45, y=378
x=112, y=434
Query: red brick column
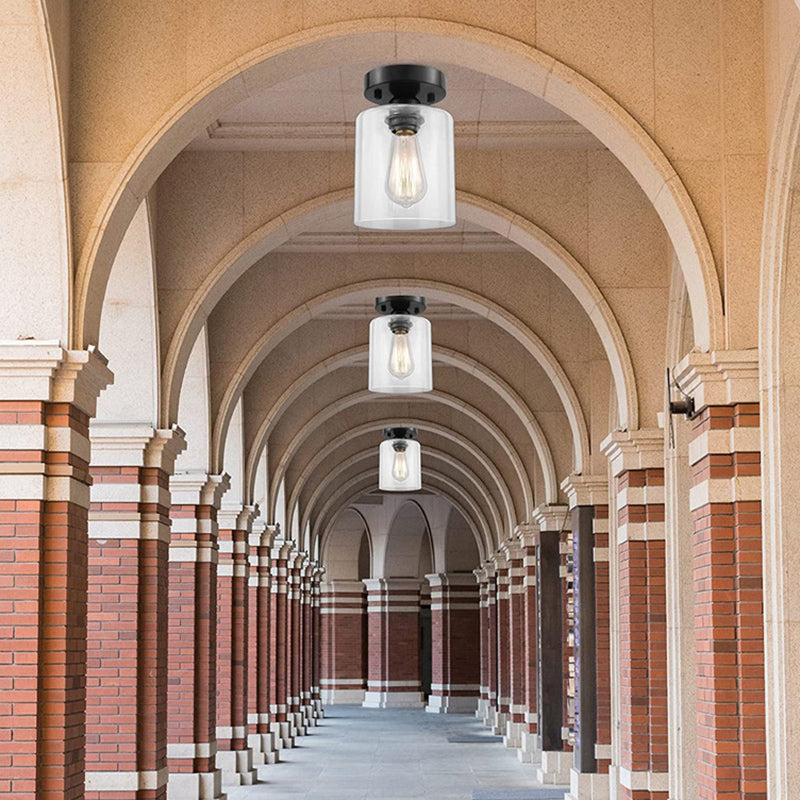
x=553, y=638
x=503, y=645
x=393, y=668
x=191, y=696
x=126, y=647
x=455, y=628
x=516, y=640
x=588, y=500
x=308, y=647
x=637, y=496
x=529, y=737
x=46, y=398
x=343, y=616
x=234, y=755
x=316, y=641
x=260, y=738
x=729, y=613
x=491, y=632
x=294, y=647
x=278, y=710
x=482, y=579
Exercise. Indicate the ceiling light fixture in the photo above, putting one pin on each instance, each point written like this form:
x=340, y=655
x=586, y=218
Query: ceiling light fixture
x=400, y=461
x=405, y=174
x=400, y=359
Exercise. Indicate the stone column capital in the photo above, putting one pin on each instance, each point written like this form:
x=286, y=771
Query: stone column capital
x=585, y=490
x=719, y=378
x=444, y=579
x=552, y=518
x=237, y=517
x=262, y=534
x=199, y=488
x=135, y=445
x=45, y=371
x=639, y=449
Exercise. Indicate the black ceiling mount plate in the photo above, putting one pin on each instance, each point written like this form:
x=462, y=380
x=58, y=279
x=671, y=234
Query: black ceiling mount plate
x=405, y=83
x=400, y=433
x=400, y=304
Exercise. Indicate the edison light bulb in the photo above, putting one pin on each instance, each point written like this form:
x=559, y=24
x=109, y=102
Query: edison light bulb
x=401, y=363
x=400, y=464
x=405, y=182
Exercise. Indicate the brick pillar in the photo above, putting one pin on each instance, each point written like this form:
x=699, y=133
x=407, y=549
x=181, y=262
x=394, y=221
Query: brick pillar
x=260, y=738
x=529, y=737
x=308, y=636
x=47, y=396
x=482, y=579
x=512, y=734
x=637, y=466
x=588, y=500
x=552, y=636
x=503, y=644
x=455, y=627
x=192, y=658
x=343, y=668
x=234, y=755
x=729, y=613
x=393, y=668
x=316, y=641
x=491, y=619
x=279, y=721
x=126, y=647
x=294, y=648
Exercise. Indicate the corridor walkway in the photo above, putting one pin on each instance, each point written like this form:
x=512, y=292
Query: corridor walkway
x=364, y=754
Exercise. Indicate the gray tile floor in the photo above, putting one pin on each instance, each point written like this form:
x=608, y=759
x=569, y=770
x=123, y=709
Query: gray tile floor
x=367, y=754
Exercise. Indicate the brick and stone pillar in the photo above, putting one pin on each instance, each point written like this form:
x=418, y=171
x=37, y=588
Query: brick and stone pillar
x=279, y=721
x=502, y=644
x=529, y=738
x=728, y=579
x=192, y=654
x=637, y=499
x=343, y=668
x=455, y=628
x=491, y=618
x=316, y=641
x=126, y=647
x=260, y=737
x=482, y=579
x=308, y=636
x=516, y=643
x=234, y=754
x=588, y=501
x=294, y=648
x=556, y=759
x=393, y=666
x=47, y=396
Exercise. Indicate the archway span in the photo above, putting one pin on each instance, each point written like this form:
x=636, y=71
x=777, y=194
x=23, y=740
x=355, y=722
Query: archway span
x=430, y=454
x=405, y=37
x=434, y=290
x=494, y=432
x=402, y=552
x=326, y=544
x=444, y=432
x=439, y=484
x=441, y=354
x=472, y=208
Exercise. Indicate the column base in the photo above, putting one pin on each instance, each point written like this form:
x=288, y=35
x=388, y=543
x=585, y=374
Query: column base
x=342, y=697
x=529, y=751
x=588, y=786
x=319, y=711
x=393, y=699
x=512, y=736
x=450, y=704
x=195, y=786
x=480, y=711
x=237, y=767
x=265, y=750
x=555, y=767
x=497, y=722
x=282, y=735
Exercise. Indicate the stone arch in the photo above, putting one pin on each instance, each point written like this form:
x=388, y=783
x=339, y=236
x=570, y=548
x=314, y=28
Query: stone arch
x=472, y=208
x=407, y=38
x=33, y=175
x=421, y=424
x=406, y=545
x=339, y=544
x=445, y=355
x=780, y=394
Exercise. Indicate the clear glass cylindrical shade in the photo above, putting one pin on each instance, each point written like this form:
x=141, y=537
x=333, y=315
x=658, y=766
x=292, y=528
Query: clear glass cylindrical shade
x=400, y=363
x=400, y=472
x=404, y=183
